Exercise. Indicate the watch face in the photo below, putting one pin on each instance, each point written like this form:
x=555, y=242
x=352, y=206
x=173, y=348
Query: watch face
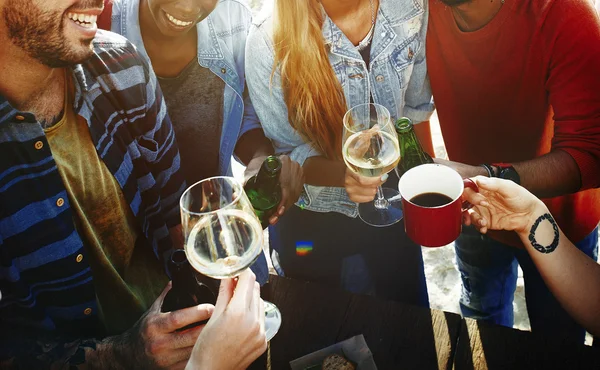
x=510, y=173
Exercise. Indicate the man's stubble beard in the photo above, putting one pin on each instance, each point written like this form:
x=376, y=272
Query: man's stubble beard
x=41, y=35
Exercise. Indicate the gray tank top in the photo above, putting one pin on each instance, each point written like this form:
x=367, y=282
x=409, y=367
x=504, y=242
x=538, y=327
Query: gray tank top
x=195, y=104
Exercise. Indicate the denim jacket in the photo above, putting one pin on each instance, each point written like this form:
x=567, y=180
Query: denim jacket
x=396, y=78
x=221, y=43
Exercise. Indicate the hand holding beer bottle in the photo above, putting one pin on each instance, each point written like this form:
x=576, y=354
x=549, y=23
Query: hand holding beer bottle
x=264, y=190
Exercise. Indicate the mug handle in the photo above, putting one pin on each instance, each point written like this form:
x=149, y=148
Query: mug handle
x=468, y=183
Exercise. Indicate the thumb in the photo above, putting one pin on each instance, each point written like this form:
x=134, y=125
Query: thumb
x=284, y=200
x=225, y=293
x=159, y=301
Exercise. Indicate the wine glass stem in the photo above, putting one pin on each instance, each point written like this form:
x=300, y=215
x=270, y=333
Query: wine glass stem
x=380, y=201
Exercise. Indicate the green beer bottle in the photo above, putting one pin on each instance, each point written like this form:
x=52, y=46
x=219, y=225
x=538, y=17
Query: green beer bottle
x=185, y=291
x=264, y=190
x=411, y=152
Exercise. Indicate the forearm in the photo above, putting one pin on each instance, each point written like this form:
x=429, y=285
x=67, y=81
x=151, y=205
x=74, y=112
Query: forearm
x=320, y=171
x=253, y=144
x=571, y=276
x=550, y=175
x=114, y=353
x=111, y=353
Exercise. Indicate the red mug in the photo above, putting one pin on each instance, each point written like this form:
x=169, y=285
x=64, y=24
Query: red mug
x=433, y=204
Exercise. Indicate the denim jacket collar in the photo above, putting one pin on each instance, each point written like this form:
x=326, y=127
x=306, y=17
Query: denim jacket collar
x=341, y=46
x=208, y=46
x=210, y=53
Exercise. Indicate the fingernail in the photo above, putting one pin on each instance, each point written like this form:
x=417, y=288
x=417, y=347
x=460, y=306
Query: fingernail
x=384, y=177
x=483, y=180
x=281, y=210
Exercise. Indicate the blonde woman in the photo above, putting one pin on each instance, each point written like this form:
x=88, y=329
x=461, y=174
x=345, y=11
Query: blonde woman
x=306, y=65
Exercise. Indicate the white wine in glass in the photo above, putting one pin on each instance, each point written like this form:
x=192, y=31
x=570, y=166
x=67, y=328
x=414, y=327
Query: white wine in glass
x=371, y=149
x=222, y=244
x=371, y=154
x=222, y=235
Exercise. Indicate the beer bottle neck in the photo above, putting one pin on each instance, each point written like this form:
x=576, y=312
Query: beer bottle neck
x=180, y=270
x=267, y=178
x=408, y=140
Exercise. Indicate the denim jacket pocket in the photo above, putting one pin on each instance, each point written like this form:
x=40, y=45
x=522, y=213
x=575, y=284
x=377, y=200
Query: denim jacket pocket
x=339, y=68
x=403, y=58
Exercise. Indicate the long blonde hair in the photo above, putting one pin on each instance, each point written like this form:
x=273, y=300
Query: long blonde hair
x=312, y=92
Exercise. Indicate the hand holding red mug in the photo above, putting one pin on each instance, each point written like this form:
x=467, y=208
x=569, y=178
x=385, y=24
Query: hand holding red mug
x=501, y=205
x=432, y=199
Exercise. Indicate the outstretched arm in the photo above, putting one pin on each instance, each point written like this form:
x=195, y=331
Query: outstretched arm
x=573, y=277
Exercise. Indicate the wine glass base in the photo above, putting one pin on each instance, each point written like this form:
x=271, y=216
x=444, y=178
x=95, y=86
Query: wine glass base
x=272, y=320
x=374, y=216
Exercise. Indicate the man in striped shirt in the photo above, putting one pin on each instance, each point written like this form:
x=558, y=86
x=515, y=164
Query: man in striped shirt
x=89, y=190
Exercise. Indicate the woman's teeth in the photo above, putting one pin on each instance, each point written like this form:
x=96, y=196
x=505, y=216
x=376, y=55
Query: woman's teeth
x=177, y=22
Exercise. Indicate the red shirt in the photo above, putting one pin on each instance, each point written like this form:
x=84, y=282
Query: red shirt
x=526, y=83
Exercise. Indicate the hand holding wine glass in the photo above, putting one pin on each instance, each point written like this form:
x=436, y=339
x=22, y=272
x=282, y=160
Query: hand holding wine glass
x=235, y=335
x=361, y=189
x=370, y=151
x=223, y=236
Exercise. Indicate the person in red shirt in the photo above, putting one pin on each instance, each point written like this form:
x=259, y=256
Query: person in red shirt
x=517, y=89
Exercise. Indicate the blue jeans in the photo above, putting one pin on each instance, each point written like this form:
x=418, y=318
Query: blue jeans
x=489, y=275
x=336, y=250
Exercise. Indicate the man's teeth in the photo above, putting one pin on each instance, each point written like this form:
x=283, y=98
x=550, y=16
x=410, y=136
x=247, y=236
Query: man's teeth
x=84, y=20
x=177, y=22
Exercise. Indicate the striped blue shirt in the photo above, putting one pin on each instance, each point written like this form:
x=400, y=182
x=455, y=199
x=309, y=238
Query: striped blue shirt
x=45, y=284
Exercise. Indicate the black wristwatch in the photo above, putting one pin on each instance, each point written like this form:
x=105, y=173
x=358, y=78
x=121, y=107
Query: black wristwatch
x=506, y=171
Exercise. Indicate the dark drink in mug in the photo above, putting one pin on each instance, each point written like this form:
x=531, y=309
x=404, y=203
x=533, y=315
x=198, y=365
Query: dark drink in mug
x=429, y=200
x=433, y=204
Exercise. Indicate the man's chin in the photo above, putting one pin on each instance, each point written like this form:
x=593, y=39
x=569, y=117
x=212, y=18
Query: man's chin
x=69, y=60
x=84, y=52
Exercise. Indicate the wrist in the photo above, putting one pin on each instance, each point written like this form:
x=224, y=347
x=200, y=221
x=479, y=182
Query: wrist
x=198, y=361
x=259, y=157
x=539, y=209
x=480, y=171
x=489, y=171
x=120, y=351
x=506, y=171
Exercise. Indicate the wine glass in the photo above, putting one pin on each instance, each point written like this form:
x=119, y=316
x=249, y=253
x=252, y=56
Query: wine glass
x=371, y=149
x=222, y=235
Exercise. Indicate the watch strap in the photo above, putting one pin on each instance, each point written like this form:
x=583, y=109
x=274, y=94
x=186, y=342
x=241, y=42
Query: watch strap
x=489, y=169
x=502, y=165
x=508, y=172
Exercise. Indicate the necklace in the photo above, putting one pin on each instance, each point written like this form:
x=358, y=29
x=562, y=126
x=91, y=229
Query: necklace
x=367, y=40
